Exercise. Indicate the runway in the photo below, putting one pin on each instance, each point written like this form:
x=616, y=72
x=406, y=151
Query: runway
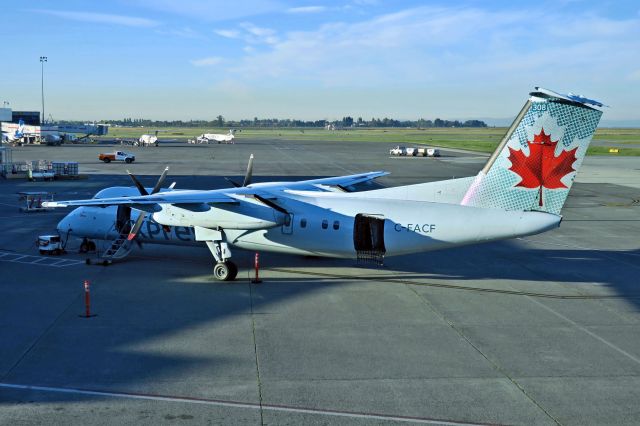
x=537, y=330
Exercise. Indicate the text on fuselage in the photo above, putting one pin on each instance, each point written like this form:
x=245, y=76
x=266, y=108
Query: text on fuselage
x=422, y=228
x=155, y=231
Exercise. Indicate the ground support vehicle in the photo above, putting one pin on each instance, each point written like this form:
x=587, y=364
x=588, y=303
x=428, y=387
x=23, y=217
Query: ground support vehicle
x=117, y=156
x=49, y=244
x=398, y=150
x=33, y=200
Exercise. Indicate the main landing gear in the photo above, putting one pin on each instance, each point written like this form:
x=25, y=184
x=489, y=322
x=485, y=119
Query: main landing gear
x=87, y=246
x=225, y=269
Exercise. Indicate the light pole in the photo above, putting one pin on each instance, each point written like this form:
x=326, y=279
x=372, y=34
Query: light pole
x=43, y=59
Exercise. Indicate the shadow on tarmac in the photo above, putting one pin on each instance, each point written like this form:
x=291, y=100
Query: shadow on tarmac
x=136, y=338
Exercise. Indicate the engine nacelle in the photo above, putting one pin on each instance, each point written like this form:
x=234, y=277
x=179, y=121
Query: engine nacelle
x=225, y=216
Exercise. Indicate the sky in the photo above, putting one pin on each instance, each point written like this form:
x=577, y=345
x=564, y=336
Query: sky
x=197, y=59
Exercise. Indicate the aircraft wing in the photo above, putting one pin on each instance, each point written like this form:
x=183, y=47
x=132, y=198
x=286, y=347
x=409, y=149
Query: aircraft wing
x=341, y=181
x=172, y=197
x=192, y=197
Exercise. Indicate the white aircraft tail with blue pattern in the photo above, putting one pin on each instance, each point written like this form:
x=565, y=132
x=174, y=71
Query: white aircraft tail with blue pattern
x=20, y=131
x=536, y=162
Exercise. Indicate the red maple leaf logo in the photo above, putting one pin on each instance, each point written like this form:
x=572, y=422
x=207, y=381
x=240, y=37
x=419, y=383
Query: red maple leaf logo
x=542, y=167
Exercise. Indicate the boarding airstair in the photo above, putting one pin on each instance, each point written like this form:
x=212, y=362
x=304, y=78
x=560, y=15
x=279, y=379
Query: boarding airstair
x=375, y=257
x=119, y=248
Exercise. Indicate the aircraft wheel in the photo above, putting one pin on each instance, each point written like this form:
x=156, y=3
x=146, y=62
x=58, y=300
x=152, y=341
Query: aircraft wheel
x=234, y=271
x=225, y=271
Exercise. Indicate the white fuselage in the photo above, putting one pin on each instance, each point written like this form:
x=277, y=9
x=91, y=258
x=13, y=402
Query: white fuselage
x=322, y=226
x=218, y=137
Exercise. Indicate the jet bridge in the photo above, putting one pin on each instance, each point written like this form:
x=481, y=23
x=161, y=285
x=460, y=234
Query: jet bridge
x=85, y=130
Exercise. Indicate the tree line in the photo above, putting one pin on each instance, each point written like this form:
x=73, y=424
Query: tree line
x=346, y=122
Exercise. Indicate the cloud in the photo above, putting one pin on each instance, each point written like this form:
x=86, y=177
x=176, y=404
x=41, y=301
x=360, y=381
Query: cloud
x=427, y=46
x=250, y=33
x=366, y=2
x=228, y=33
x=207, y=62
x=259, y=35
x=102, y=18
x=185, y=32
x=212, y=10
x=307, y=9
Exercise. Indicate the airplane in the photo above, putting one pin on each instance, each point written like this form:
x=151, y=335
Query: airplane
x=520, y=191
x=147, y=140
x=209, y=137
x=20, y=132
x=15, y=136
x=52, y=139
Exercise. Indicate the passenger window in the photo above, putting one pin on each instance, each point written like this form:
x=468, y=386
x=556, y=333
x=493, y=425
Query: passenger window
x=336, y=224
x=303, y=223
x=325, y=224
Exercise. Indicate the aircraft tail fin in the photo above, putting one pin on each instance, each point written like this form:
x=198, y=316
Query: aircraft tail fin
x=20, y=130
x=536, y=162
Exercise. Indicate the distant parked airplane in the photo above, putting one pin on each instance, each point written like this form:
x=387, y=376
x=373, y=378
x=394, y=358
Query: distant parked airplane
x=146, y=140
x=11, y=137
x=216, y=137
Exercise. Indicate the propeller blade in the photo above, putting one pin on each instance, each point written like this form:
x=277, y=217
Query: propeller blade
x=235, y=184
x=160, y=181
x=270, y=204
x=247, y=176
x=136, y=226
x=137, y=183
x=173, y=185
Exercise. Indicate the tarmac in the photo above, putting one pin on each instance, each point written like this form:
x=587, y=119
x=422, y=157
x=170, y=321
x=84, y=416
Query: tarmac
x=532, y=331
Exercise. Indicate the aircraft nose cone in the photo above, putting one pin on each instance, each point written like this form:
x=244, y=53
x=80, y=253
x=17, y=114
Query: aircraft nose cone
x=65, y=225
x=65, y=228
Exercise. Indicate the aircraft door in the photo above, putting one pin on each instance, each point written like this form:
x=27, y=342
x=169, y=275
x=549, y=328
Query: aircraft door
x=368, y=238
x=123, y=219
x=287, y=225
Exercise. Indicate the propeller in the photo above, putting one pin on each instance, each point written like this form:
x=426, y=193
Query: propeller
x=249, y=174
x=247, y=177
x=138, y=224
x=160, y=181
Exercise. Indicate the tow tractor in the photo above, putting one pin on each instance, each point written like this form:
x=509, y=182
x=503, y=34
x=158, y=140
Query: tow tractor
x=50, y=244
